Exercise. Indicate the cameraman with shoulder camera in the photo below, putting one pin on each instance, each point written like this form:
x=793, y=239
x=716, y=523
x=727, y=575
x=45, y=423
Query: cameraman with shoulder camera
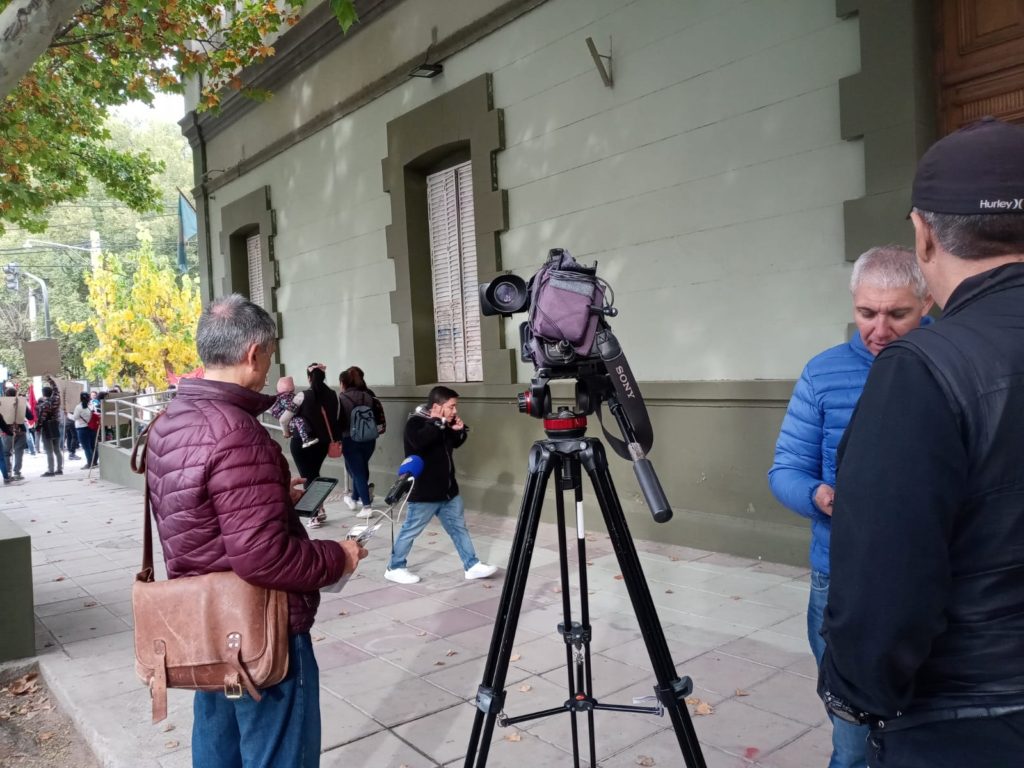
x=433, y=432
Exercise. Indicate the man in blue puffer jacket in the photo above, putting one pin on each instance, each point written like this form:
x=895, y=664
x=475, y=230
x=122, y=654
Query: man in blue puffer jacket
x=890, y=298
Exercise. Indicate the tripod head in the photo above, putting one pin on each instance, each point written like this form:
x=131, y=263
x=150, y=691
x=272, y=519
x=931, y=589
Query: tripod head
x=594, y=386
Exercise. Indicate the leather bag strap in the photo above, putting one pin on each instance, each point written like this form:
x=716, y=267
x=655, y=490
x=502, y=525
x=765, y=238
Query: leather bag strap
x=138, y=466
x=327, y=423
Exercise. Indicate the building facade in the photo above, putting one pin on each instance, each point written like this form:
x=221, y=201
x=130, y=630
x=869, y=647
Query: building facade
x=722, y=160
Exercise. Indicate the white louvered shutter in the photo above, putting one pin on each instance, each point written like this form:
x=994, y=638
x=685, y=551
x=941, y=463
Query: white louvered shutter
x=453, y=268
x=255, y=258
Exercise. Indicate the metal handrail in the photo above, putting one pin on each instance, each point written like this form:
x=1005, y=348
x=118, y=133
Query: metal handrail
x=128, y=410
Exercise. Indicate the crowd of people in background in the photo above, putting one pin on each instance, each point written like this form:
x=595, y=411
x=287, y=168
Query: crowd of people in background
x=43, y=425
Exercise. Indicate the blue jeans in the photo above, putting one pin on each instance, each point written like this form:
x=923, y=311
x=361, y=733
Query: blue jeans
x=849, y=741
x=283, y=729
x=87, y=439
x=453, y=518
x=357, y=462
x=3, y=465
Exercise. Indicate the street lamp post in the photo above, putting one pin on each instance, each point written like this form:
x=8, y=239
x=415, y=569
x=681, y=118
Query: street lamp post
x=94, y=259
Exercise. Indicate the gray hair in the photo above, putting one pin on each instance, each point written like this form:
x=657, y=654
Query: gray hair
x=977, y=236
x=889, y=266
x=227, y=328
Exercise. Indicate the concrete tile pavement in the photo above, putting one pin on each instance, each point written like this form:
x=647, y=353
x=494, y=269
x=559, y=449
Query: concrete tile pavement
x=400, y=665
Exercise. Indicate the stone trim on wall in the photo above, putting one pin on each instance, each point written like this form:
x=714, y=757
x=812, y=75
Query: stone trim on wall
x=249, y=215
x=890, y=103
x=464, y=124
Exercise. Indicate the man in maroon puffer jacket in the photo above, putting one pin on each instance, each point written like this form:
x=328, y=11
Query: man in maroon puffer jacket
x=223, y=499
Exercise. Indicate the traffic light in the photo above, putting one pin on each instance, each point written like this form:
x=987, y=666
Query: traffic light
x=11, y=272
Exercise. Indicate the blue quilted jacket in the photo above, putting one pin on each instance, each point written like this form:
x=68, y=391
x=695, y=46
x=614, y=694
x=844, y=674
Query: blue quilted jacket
x=805, y=454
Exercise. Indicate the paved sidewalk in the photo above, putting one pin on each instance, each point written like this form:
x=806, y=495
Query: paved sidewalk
x=399, y=666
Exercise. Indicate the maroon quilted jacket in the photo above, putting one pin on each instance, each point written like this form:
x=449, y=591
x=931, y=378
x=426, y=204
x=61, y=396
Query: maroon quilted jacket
x=219, y=489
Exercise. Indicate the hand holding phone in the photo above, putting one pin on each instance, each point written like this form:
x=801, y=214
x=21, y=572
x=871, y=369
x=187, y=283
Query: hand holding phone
x=354, y=552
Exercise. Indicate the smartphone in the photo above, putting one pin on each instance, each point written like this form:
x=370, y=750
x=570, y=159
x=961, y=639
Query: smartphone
x=315, y=495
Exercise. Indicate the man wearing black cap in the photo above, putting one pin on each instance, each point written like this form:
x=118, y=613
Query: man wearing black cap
x=925, y=621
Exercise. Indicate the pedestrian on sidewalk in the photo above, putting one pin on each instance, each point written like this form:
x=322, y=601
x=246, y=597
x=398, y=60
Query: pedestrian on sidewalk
x=358, y=439
x=924, y=630
x=223, y=499
x=890, y=298
x=433, y=432
x=86, y=436
x=14, y=444
x=318, y=405
x=6, y=430
x=48, y=424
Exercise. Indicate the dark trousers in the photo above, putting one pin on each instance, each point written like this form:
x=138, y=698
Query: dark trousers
x=357, y=462
x=308, y=460
x=996, y=742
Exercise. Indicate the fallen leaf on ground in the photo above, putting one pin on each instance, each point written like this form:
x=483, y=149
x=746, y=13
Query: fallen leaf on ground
x=438, y=663
x=343, y=613
x=741, y=692
x=171, y=744
x=431, y=533
x=487, y=586
x=421, y=633
x=525, y=688
x=735, y=597
x=89, y=604
x=700, y=707
x=24, y=684
x=669, y=592
x=674, y=559
x=451, y=652
x=59, y=578
x=515, y=657
x=556, y=590
x=644, y=760
x=619, y=577
x=45, y=736
x=514, y=736
x=169, y=727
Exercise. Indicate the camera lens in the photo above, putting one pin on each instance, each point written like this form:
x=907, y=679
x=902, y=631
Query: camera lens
x=505, y=294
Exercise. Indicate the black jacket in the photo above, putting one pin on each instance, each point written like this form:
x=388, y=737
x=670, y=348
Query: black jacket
x=431, y=441
x=926, y=602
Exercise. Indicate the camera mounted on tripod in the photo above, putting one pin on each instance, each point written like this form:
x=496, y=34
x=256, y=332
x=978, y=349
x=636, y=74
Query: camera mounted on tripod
x=567, y=336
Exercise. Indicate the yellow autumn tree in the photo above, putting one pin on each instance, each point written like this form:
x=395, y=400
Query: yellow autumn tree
x=144, y=319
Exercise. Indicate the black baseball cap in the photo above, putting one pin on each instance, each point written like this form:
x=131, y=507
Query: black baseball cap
x=979, y=169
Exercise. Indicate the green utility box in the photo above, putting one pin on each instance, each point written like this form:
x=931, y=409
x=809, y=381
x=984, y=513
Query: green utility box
x=17, y=640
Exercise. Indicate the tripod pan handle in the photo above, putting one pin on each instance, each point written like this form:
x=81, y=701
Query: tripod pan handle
x=650, y=486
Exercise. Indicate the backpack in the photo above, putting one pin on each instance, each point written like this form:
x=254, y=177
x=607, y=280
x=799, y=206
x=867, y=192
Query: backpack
x=379, y=416
x=362, y=427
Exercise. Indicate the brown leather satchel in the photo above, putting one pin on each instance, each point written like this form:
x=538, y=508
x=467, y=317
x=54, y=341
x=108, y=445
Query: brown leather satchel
x=214, y=632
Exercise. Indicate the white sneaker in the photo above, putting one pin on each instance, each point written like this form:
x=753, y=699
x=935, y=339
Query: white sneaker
x=347, y=498
x=365, y=512
x=401, y=576
x=315, y=522
x=481, y=571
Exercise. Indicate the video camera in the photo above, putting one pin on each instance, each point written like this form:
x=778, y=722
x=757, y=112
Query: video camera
x=567, y=336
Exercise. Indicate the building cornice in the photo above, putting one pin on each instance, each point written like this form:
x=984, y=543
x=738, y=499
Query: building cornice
x=293, y=58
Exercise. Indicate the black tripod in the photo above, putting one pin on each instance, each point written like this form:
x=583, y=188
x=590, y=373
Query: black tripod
x=566, y=449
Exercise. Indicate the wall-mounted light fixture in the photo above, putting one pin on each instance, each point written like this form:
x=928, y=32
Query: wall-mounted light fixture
x=427, y=70
x=599, y=59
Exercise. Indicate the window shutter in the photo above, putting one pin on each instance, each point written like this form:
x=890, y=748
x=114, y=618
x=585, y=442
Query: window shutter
x=453, y=268
x=255, y=258
x=470, y=286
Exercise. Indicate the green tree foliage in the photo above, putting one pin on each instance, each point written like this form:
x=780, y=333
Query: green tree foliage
x=54, y=135
x=65, y=269
x=144, y=324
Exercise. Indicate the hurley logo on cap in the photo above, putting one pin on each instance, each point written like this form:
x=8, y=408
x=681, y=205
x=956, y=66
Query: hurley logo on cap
x=1002, y=205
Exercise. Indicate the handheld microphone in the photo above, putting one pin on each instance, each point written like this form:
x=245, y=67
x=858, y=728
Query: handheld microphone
x=410, y=468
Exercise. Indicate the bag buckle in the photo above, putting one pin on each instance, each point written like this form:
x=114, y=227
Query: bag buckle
x=233, y=690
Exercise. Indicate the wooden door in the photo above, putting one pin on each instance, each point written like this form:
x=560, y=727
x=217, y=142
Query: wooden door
x=979, y=61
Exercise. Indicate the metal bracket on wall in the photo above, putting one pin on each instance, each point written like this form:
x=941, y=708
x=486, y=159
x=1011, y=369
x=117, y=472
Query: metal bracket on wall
x=606, y=73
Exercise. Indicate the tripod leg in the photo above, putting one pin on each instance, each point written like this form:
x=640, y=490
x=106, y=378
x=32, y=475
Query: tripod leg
x=570, y=477
x=491, y=693
x=671, y=690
